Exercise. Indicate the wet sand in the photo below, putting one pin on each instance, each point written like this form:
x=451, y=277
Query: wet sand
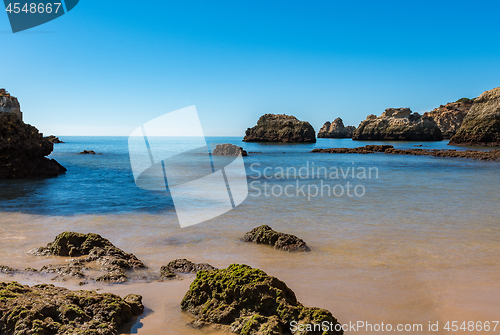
x=373, y=274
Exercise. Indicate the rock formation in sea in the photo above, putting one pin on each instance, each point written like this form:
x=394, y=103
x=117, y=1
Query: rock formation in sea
x=228, y=149
x=449, y=117
x=481, y=126
x=398, y=124
x=47, y=309
x=483, y=155
x=9, y=104
x=248, y=301
x=336, y=129
x=282, y=241
x=22, y=147
x=114, y=261
x=179, y=266
x=280, y=128
x=54, y=139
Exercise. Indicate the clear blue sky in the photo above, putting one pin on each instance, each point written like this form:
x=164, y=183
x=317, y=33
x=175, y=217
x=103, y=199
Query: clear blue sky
x=106, y=67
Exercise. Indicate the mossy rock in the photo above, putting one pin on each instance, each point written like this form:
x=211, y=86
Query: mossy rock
x=282, y=241
x=249, y=301
x=46, y=309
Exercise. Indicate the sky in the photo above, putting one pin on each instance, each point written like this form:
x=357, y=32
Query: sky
x=107, y=67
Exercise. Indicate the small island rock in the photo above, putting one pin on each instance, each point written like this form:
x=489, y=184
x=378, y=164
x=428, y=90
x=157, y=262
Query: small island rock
x=280, y=128
x=398, y=124
x=228, y=149
x=336, y=129
x=266, y=235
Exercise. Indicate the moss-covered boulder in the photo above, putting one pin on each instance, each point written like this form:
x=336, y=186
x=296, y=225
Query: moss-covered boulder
x=183, y=265
x=250, y=302
x=46, y=309
x=266, y=235
x=97, y=249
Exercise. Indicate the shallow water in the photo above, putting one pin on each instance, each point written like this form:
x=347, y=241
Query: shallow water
x=420, y=245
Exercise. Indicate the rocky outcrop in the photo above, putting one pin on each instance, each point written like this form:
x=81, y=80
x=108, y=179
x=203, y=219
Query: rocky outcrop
x=280, y=128
x=88, y=152
x=228, y=149
x=398, y=124
x=23, y=150
x=54, y=139
x=266, y=235
x=114, y=261
x=183, y=265
x=336, y=129
x=9, y=104
x=481, y=126
x=46, y=309
x=449, y=117
x=492, y=155
x=250, y=302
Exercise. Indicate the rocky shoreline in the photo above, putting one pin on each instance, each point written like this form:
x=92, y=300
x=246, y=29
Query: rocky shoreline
x=491, y=155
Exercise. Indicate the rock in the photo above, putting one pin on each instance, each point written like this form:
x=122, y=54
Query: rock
x=492, y=155
x=266, y=235
x=228, y=149
x=97, y=249
x=7, y=270
x=248, y=301
x=280, y=128
x=183, y=266
x=88, y=152
x=336, y=129
x=54, y=139
x=65, y=271
x=481, y=126
x=10, y=104
x=449, y=117
x=46, y=309
x=23, y=150
x=398, y=124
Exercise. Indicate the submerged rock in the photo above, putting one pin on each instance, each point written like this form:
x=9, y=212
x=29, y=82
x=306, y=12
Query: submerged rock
x=266, y=235
x=97, y=249
x=492, y=155
x=54, y=139
x=481, y=126
x=249, y=302
x=398, y=124
x=7, y=270
x=88, y=152
x=228, y=149
x=46, y=309
x=178, y=266
x=280, y=128
x=336, y=129
x=23, y=150
x=449, y=117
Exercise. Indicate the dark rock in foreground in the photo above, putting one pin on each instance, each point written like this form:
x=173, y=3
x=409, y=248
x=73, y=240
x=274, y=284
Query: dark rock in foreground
x=250, y=302
x=23, y=150
x=280, y=128
x=336, y=129
x=398, y=124
x=449, y=117
x=228, y=149
x=97, y=249
x=266, y=235
x=54, y=139
x=492, y=155
x=481, y=126
x=46, y=309
x=178, y=266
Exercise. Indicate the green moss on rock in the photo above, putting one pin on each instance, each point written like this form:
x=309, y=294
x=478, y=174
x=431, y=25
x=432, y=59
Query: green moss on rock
x=46, y=309
x=249, y=301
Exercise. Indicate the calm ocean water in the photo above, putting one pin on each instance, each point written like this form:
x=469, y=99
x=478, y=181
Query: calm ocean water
x=420, y=244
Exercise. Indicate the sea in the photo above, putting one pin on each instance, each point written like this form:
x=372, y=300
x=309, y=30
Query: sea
x=398, y=240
